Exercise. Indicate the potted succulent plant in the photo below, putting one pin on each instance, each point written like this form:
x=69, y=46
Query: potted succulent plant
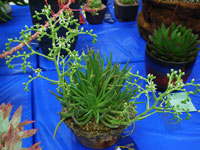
x=96, y=99
x=97, y=16
x=12, y=132
x=6, y=10
x=156, y=12
x=174, y=47
x=126, y=10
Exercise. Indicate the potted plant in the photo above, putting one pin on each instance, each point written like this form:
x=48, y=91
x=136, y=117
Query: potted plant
x=93, y=98
x=6, y=10
x=97, y=15
x=174, y=47
x=12, y=131
x=126, y=10
x=156, y=12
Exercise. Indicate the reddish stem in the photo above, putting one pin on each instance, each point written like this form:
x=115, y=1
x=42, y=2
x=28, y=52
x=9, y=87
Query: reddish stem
x=34, y=36
x=174, y=12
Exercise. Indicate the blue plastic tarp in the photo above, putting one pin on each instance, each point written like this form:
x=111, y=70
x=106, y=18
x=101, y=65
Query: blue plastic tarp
x=11, y=29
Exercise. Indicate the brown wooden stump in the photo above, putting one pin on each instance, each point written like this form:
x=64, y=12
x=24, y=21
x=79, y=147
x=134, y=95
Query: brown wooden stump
x=156, y=12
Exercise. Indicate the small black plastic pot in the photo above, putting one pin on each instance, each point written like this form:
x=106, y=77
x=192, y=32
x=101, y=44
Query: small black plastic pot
x=46, y=43
x=160, y=68
x=125, y=12
x=6, y=10
x=96, y=18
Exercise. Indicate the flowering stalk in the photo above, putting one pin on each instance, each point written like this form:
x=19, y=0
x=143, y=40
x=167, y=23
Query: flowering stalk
x=46, y=25
x=174, y=11
x=92, y=92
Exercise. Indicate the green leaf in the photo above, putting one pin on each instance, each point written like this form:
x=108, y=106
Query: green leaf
x=16, y=117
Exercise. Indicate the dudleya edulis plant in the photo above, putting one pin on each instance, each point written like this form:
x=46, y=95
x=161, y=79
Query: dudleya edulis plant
x=90, y=92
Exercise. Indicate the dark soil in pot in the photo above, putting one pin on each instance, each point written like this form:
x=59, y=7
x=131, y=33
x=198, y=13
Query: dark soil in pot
x=45, y=43
x=125, y=12
x=93, y=135
x=160, y=68
x=93, y=18
x=96, y=136
x=7, y=11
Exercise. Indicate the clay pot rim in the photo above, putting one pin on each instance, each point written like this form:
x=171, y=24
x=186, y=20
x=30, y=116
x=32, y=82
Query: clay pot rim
x=169, y=62
x=183, y=4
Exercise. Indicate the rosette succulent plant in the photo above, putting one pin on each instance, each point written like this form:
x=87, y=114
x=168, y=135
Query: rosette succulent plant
x=97, y=93
x=175, y=44
x=12, y=132
x=96, y=13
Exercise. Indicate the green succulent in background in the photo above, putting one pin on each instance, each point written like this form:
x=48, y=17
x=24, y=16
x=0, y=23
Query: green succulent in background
x=12, y=132
x=3, y=4
x=128, y=1
x=175, y=44
x=95, y=4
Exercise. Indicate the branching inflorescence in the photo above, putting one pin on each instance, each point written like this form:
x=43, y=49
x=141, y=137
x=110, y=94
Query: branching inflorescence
x=161, y=102
x=63, y=6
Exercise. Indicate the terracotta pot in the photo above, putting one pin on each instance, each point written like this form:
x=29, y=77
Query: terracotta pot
x=126, y=12
x=159, y=68
x=99, y=140
x=38, y=5
x=156, y=12
x=92, y=18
